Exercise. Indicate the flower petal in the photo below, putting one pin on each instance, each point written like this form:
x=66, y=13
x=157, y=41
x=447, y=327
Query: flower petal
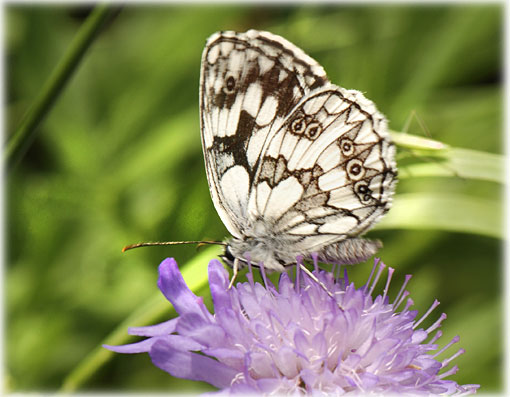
x=210, y=335
x=189, y=365
x=176, y=341
x=155, y=330
x=138, y=347
x=172, y=285
x=218, y=283
x=224, y=354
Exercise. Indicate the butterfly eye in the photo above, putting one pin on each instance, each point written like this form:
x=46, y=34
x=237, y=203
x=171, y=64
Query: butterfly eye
x=230, y=84
x=347, y=147
x=313, y=130
x=298, y=126
x=355, y=169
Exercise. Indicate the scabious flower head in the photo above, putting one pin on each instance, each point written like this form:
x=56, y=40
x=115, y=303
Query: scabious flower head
x=297, y=339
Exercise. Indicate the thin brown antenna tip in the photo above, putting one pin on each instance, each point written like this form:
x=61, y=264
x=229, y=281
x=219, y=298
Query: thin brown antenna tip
x=128, y=247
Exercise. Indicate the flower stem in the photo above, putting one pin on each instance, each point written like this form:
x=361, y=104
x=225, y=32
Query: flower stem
x=21, y=139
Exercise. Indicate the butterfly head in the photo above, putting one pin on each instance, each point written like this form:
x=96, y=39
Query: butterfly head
x=257, y=252
x=228, y=257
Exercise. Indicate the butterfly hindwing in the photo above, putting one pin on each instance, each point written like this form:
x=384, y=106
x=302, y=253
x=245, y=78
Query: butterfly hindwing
x=328, y=173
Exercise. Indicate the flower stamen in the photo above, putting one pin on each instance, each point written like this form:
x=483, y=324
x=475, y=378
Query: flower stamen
x=378, y=275
x=432, y=307
x=448, y=360
x=437, y=324
x=388, y=281
x=402, y=293
x=452, y=342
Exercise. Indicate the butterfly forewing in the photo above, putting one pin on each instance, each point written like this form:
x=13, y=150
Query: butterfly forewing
x=249, y=83
x=294, y=163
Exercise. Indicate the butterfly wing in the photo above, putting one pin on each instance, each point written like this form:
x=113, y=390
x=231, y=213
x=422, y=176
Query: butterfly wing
x=249, y=83
x=328, y=173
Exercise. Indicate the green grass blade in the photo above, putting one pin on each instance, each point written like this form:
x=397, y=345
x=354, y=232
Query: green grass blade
x=449, y=212
x=463, y=163
x=410, y=141
x=24, y=135
x=446, y=161
x=195, y=274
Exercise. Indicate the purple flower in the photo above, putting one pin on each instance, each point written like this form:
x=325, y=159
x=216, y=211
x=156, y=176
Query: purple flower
x=296, y=339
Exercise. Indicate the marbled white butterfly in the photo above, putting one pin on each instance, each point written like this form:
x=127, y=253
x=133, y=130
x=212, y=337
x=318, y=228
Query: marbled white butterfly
x=296, y=165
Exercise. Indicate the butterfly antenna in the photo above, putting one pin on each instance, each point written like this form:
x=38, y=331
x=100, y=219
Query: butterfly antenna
x=159, y=243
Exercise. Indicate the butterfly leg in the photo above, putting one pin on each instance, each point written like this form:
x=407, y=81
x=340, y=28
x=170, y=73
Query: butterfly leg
x=235, y=268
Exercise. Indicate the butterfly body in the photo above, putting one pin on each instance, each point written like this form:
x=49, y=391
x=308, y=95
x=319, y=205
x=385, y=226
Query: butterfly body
x=296, y=165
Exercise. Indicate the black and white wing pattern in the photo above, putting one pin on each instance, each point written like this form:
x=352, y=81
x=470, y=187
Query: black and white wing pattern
x=295, y=164
x=249, y=83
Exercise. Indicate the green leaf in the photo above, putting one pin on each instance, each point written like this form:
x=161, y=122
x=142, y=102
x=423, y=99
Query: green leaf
x=463, y=163
x=449, y=161
x=411, y=141
x=449, y=212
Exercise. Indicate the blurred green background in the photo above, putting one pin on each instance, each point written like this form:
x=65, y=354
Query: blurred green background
x=118, y=160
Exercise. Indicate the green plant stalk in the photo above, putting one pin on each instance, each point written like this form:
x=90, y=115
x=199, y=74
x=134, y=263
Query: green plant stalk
x=25, y=133
x=449, y=161
x=195, y=274
x=458, y=213
x=411, y=141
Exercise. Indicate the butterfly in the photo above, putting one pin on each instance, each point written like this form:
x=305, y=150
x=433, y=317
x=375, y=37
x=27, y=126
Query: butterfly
x=296, y=165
